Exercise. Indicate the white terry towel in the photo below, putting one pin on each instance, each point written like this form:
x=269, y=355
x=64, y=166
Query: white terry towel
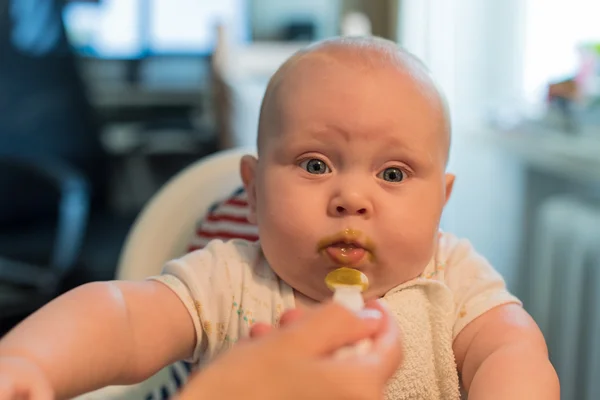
x=424, y=311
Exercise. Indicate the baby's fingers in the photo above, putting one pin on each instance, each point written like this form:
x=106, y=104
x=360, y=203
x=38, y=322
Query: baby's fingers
x=10, y=390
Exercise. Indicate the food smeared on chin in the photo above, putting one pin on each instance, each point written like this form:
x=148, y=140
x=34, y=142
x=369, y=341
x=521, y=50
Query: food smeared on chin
x=348, y=247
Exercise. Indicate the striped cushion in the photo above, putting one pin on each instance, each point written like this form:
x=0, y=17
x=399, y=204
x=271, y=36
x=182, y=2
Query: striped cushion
x=226, y=219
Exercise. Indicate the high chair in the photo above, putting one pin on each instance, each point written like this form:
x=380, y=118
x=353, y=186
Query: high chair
x=163, y=229
x=162, y=232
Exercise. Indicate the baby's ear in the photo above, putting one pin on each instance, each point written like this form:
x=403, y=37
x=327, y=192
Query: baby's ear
x=248, y=166
x=449, y=186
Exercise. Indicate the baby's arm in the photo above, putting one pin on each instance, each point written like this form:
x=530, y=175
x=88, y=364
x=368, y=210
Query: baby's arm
x=103, y=333
x=502, y=355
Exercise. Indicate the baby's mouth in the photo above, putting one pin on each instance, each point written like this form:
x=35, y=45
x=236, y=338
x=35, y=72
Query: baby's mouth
x=346, y=248
x=343, y=253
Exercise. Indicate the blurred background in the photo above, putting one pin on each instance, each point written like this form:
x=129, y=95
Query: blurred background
x=102, y=101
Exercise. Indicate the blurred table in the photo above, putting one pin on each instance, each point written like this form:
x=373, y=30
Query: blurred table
x=570, y=156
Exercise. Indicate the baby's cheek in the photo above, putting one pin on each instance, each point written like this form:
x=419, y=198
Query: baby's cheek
x=423, y=216
x=284, y=216
x=412, y=235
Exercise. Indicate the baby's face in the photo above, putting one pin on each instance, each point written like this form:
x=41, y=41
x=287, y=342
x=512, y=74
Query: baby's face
x=352, y=173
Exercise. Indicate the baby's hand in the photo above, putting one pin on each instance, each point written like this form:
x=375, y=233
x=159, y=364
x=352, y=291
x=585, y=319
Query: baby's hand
x=21, y=379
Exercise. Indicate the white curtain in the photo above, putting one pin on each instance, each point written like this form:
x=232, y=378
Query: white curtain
x=474, y=50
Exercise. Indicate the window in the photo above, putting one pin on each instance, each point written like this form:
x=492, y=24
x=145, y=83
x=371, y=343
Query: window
x=554, y=31
x=109, y=29
x=128, y=29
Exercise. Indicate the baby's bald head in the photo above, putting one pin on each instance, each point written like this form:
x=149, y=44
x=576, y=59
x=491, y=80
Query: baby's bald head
x=363, y=54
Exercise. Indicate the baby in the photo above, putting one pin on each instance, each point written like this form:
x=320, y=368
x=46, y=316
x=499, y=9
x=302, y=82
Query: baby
x=353, y=143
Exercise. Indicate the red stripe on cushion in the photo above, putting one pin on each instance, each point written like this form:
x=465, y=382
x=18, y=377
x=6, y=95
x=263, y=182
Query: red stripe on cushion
x=227, y=235
x=237, y=202
x=229, y=218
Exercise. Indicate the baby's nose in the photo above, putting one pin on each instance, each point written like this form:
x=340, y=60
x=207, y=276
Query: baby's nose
x=351, y=204
x=340, y=210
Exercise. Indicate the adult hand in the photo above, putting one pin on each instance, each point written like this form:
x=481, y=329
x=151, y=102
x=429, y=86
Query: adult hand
x=260, y=329
x=296, y=361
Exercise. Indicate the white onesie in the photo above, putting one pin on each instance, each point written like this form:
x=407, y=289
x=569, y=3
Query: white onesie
x=228, y=286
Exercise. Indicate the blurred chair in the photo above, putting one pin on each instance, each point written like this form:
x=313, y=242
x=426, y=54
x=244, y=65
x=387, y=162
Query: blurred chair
x=52, y=159
x=27, y=281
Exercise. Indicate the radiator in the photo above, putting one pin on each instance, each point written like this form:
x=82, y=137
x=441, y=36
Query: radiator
x=564, y=291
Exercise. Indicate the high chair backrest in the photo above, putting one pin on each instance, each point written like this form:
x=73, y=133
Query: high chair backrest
x=165, y=226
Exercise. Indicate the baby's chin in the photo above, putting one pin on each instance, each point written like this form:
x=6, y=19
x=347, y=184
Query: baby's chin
x=304, y=300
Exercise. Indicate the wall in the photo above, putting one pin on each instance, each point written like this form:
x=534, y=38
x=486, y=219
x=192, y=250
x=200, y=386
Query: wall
x=269, y=16
x=383, y=14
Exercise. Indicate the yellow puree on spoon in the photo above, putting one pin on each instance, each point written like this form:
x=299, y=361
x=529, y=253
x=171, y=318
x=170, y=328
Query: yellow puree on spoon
x=347, y=284
x=346, y=277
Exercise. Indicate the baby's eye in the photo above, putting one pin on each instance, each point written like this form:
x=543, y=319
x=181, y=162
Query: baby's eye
x=315, y=166
x=392, y=174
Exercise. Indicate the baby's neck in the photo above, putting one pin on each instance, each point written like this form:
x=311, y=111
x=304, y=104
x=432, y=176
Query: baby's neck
x=303, y=302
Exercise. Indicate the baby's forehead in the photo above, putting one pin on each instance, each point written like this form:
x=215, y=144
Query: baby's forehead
x=356, y=61
x=323, y=75
x=368, y=54
x=332, y=66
